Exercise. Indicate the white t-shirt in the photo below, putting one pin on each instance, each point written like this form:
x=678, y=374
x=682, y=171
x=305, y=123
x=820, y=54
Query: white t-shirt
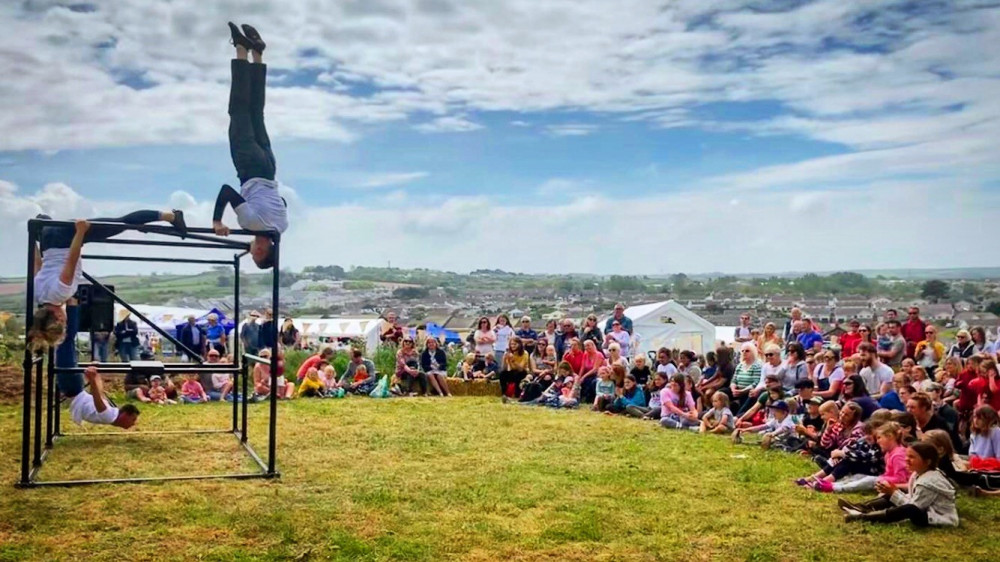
x=669, y=369
x=82, y=409
x=875, y=380
x=264, y=209
x=48, y=288
x=504, y=334
x=219, y=380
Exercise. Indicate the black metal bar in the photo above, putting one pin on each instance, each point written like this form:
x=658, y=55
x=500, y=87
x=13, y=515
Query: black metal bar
x=150, y=228
x=151, y=324
x=119, y=369
x=245, y=399
x=144, y=433
x=69, y=483
x=49, y=396
x=39, y=386
x=33, y=475
x=272, y=434
x=253, y=454
x=168, y=243
x=152, y=259
x=236, y=339
x=58, y=409
x=29, y=318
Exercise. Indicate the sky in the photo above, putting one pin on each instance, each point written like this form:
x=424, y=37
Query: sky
x=627, y=137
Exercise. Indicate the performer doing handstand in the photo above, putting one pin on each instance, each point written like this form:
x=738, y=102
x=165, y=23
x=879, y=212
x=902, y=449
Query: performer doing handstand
x=258, y=205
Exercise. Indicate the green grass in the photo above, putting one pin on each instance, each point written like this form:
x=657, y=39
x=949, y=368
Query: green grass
x=431, y=479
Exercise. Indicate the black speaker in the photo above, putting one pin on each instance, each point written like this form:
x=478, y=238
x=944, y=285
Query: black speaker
x=97, y=308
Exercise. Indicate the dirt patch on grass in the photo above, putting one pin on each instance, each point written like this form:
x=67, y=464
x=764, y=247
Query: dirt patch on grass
x=11, y=383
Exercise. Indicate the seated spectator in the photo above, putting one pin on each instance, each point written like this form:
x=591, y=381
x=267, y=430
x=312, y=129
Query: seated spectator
x=963, y=347
x=641, y=372
x=929, y=501
x=408, y=374
x=665, y=362
x=929, y=352
x=858, y=456
x=604, y=390
x=262, y=378
x=987, y=384
x=948, y=376
x=855, y=391
x=985, y=437
x=516, y=363
x=329, y=376
x=533, y=392
x=779, y=426
x=222, y=387
x=592, y=361
x=192, y=391
x=921, y=407
x=620, y=336
x=651, y=411
x=434, y=364
x=590, y=331
x=796, y=366
x=723, y=375
x=614, y=356
x=555, y=395
x=942, y=408
x=360, y=377
x=137, y=386
x=677, y=407
x=849, y=427
x=889, y=441
x=468, y=370
x=313, y=362
x=745, y=378
x=919, y=379
x=687, y=364
x=811, y=425
x=311, y=385
x=575, y=356
x=808, y=337
x=830, y=436
x=157, y=392
x=892, y=399
x=632, y=395
x=757, y=413
x=718, y=419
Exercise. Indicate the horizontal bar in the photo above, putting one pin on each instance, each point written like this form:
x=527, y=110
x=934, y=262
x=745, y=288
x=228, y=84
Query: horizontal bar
x=249, y=449
x=144, y=433
x=169, y=243
x=151, y=228
x=256, y=358
x=207, y=368
x=151, y=259
x=67, y=483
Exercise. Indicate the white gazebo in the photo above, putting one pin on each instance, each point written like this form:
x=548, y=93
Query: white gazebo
x=671, y=325
x=313, y=329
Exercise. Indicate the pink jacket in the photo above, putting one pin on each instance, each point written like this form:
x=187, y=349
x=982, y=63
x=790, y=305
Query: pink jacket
x=895, y=466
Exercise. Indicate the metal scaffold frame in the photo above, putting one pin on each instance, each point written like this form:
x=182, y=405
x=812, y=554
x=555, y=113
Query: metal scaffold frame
x=35, y=451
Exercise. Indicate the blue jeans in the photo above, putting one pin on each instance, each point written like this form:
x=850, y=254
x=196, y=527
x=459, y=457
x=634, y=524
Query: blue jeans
x=499, y=357
x=100, y=350
x=128, y=352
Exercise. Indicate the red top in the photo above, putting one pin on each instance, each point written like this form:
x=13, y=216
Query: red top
x=575, y=360
x=981, y=386
x=913, y=333
x=309, y=363
x=849, y=343
x=967, y=397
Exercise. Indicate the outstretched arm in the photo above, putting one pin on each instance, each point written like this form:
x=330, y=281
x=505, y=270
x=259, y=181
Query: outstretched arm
x=75, y=247
x=227, y=196
x=96, y=388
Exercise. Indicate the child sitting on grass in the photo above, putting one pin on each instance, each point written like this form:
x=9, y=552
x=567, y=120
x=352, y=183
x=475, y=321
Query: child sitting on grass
x=605, y=389
x=828, y=435
x=929, y=501
x=777, y=427
x=720, y=418
x=888, y=437
x=677, y=406
x=632, y=396
x=192, y=391
x=311, y=385
x=157, y=394
x=860, y=457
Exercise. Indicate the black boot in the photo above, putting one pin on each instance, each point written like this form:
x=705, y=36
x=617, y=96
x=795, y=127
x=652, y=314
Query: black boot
x=238, y=39
x=258, y=44
x=179, y=223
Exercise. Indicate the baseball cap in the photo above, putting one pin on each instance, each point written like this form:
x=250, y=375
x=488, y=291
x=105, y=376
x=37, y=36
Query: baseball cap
x=817, y=400
x=779, y=405
x=154, y=378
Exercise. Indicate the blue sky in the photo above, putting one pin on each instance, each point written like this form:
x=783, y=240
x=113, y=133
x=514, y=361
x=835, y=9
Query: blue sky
x=554, y=137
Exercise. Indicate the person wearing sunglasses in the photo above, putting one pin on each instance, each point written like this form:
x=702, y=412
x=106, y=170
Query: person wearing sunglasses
x=913, y=330
x=929, y=352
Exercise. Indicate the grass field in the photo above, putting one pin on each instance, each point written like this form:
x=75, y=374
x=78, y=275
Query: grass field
x=430, y=479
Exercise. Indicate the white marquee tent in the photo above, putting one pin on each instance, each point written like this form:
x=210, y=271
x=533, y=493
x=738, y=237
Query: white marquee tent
x=312, y=329
x=669, y=324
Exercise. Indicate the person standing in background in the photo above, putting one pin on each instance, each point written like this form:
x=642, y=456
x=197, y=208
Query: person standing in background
x=250, y=334
x=127, y=335
x=913, y=330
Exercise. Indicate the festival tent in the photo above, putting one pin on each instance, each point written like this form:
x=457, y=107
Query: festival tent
x=201, y=320
x=325, y=329
x=167, y=318
x=669, y=324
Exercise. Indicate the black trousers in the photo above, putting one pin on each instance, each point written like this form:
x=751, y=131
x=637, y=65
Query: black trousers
x=884, y=511
x=249, y=144
x=62, y=236
x=512, y=377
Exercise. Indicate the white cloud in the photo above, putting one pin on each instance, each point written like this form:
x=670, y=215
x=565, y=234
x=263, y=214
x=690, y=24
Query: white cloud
x=682, y=231
x=390, y=179
x=448, y=124
x=571, y=130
